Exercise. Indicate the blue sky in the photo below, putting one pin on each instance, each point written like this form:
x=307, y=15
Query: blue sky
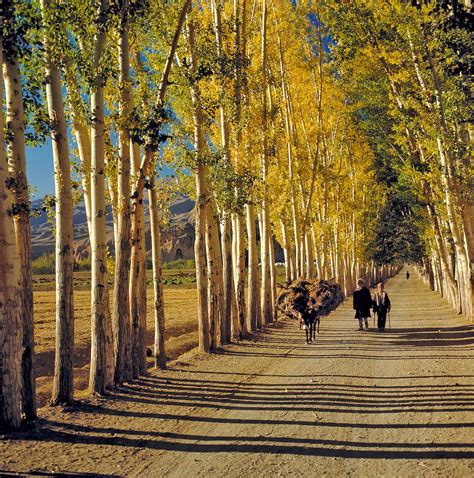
x=39, y=168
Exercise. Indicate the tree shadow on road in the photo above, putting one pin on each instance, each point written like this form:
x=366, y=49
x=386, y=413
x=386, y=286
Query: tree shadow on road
x=313, y=404
x=235, y=410
x=258, y=444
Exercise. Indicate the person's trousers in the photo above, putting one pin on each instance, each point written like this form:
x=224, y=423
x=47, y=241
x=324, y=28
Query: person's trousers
x=382, y=317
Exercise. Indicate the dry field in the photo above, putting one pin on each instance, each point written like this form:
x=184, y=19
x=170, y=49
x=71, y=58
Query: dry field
x=180, y=314
x=181, y=325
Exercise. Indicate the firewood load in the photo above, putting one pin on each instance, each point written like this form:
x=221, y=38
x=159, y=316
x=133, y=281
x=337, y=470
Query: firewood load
x=327, y=294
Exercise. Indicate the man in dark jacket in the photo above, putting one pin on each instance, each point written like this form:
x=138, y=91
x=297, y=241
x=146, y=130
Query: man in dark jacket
x=362, y=302
x=382, y=306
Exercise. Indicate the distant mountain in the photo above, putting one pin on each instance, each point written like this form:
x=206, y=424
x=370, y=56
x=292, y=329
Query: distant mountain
x=177, y=241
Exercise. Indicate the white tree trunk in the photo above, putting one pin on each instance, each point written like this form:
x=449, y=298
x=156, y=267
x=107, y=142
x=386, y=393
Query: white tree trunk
x=286, y=250
x=101, y=370
x=273, y=277
x=63, y=387
x=230, y=317
x=10, y=297
x=200, y=255
x=254, y=307
x=15, y=124
x=137, y=286
x=121, y=299
x=239, y=273
x=214, y=263
x=202, y=199
x=159, y=351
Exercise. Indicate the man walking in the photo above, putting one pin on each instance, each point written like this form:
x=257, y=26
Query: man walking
x=408, y=275
x=362, y=302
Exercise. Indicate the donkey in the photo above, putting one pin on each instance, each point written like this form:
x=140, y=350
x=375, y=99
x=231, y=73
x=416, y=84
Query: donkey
x=311, y=322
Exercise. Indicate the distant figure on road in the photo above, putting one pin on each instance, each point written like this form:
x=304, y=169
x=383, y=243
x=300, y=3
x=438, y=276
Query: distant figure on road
x=382, y=305
x=408, y=275
x=362, y=301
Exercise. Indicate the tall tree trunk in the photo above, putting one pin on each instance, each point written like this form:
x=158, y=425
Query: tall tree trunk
x=443, y=256
x=202, y=199
x=101, y=370
x=228, y=292
x=254, y=308
x=316, y=252
x=11, y=296
x=310, y=269
x=200, y=247
x=15, y=125
x=273, y=277
x=286, y=250
x=137, y=286
x=159, y=352
x=240, y=14
x=239, y=273
x=63, y=387
x=291, y=168
x=121, y=299
x=459, y=222
x=83, y=139
x=265, y=234
x=215, y=274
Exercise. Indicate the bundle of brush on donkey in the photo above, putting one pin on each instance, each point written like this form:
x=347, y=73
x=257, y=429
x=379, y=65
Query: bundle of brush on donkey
x=307, y=300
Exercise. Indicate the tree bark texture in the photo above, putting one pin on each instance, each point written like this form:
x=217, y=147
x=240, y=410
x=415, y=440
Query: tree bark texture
x=15, y=126
x=63, y=386
x=121, y=299
x=11, y=297
x=101, y=370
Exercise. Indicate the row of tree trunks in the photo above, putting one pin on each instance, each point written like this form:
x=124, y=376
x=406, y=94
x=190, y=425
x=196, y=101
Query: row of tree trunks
x=142, y=169
x=213, y=251
x=229, y=233
x=454, y=204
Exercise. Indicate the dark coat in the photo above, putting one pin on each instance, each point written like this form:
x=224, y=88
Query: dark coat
x=382, y=309
x=362, y=302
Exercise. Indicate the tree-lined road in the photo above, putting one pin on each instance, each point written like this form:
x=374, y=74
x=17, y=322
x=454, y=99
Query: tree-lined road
x=353, y=403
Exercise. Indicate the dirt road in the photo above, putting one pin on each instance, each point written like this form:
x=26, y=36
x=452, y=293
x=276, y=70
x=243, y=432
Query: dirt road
x=351, y=404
